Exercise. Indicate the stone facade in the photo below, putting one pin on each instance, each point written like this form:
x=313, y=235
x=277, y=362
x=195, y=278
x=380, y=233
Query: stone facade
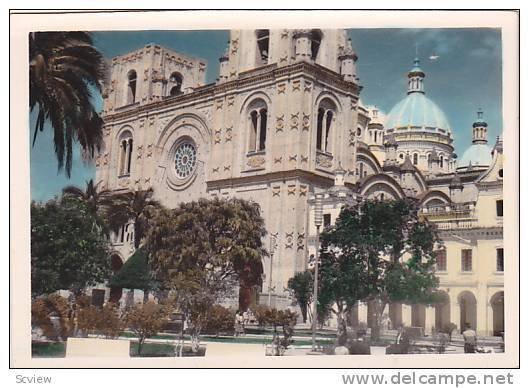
x=282, y=118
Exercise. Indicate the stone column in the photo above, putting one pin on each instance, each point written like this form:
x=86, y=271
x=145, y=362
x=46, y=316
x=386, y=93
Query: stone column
x=482, y=303
x=490, y=320
x=406, y=315
x=455, y=312
x=429, y=321
x=302, y=45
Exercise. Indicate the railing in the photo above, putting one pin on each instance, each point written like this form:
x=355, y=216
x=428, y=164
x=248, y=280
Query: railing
x=464, y=208
x=456, y=224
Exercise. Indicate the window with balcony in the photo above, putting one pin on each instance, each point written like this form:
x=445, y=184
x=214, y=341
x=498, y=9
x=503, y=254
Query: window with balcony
x=466, y=260
x=499, y=260
x=125, y=153
x=258, y=122
x=326, y=115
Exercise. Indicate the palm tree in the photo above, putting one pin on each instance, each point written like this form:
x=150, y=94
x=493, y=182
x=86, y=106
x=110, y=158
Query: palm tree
x=63, y=66
x=137, y=206
x=94, y=198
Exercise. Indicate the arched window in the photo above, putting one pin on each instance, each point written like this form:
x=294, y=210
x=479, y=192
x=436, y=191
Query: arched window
x=429, y=158
x=125, y=153
x=263, y=45
x=258, y=122
x=401, y=156
x=415, y=159
x=326, y=114
x=175, y=84
x=315, y=42
x=358, y=132
x=441, y=161
x=131, y=87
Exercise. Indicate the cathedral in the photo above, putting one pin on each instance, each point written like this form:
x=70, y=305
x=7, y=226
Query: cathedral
x=283, y=124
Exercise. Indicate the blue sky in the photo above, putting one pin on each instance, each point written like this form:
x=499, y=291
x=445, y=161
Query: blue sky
x=466, y=76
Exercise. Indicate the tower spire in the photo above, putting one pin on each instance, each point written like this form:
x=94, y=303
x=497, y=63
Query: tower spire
x=479, y=129
x=416, y=77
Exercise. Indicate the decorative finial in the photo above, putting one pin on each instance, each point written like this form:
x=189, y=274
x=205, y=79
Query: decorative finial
x=480, y=114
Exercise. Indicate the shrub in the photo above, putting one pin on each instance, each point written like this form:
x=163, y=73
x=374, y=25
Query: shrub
x=448, y=329
x=146, y=320
x=104, y=320
x=44, y=309
x=221, y=319
x=285, y=319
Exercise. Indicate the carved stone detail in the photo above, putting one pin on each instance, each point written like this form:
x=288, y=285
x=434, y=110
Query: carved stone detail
x=307, y=87
x=291, y=190
x=323, y=160
x=219, y=103
x=293, y=158
x=280, y=123
x=256, y=161
x=281, y=88
x=296, y=85
x=276, y=190
x=304, y=159
x=278, y=160
x=303, y=190
x=294, y=121
x=305, y=122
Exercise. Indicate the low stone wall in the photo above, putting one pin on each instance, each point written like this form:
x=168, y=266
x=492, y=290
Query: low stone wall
x=97, y=347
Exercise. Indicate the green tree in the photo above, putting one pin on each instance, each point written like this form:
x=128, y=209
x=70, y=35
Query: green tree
x=301, y=285
x=220, y=237
x=95, y=199
x=136, y=206
x=67, y=251
x=63, y=67
x=201, y=250
x=378, y=251
x=135, y=274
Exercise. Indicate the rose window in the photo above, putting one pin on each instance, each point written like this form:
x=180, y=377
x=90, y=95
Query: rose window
x=185, y=160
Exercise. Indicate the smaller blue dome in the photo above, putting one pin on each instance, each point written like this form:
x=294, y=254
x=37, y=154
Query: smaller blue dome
x=477, y=155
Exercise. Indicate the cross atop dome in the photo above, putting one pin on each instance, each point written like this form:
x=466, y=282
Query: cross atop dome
x=416, y=78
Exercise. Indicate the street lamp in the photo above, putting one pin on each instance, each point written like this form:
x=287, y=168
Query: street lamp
x=272, y=251
x=318, y=220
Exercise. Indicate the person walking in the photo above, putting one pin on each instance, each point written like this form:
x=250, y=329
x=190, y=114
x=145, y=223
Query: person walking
x=239, y=324
x=471, y=338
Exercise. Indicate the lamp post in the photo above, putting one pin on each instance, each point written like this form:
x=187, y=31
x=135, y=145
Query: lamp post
x=272, y=250
x=318, y=220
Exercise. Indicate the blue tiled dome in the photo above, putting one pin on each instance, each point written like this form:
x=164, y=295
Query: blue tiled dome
x=477, y=155
x=417, y=111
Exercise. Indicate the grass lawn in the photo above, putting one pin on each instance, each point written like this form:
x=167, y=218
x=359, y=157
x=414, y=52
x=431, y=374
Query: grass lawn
x=152, y=350
x=48, y=349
